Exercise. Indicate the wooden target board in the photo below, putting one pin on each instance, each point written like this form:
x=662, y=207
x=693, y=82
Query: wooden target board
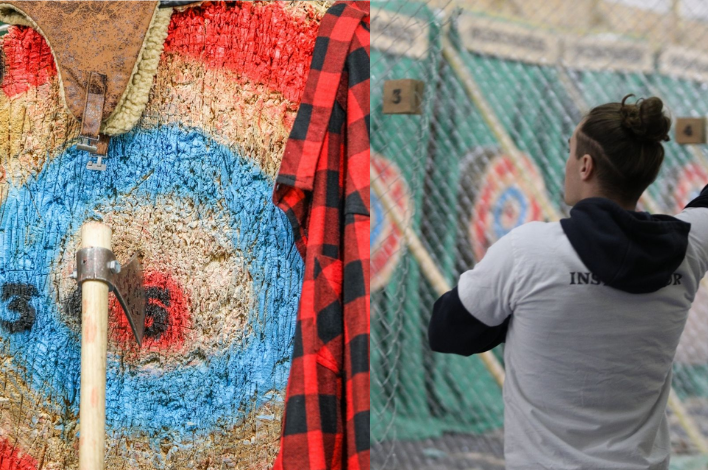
x=190, y=190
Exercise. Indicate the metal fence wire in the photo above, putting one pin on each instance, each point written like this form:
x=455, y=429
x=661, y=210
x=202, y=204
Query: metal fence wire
x=505, y=83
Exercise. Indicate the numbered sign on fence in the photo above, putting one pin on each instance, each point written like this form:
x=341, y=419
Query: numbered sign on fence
x=403, y=96
x=691, y=130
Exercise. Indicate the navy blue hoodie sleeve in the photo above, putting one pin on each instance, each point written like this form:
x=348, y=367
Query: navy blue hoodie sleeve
x=474, y=316
x=454, y=330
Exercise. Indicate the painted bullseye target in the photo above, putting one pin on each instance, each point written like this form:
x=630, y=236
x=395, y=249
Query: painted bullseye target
x=502, y=203
x=189, y=262
x=691, y=180
x=386, y=238
x=221, y=274
x=190, y=190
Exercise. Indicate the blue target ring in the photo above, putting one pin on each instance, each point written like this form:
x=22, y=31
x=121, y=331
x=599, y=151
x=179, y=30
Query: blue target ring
x=168, y=161
x=510, y=195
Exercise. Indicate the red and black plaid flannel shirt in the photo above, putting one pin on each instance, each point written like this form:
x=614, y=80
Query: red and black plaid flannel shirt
x=323, y=187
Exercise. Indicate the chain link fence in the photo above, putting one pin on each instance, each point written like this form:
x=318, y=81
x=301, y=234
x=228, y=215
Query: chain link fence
x=505, y=83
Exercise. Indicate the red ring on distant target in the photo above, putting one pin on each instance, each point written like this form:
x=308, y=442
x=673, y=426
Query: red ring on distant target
x=176, y=309
x=386, y=250
x=500, y=180
x=691, y=180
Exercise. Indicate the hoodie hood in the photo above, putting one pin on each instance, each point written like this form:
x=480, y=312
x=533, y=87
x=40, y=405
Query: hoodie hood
x=631, y=251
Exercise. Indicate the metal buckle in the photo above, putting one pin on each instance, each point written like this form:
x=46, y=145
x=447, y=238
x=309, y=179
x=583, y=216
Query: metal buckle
x=87, y=144
x=126, y=282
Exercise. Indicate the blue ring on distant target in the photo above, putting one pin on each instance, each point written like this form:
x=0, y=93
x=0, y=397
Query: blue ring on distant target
x=185, y=164
x=515, y=193
x=379, y=220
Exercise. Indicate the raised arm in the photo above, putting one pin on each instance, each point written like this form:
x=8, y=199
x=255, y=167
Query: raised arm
x=474, y=316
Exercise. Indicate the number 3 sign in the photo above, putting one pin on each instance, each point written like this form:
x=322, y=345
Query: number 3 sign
x=403, y=96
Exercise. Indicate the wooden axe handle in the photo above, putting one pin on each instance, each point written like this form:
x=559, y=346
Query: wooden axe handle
x=94, y=335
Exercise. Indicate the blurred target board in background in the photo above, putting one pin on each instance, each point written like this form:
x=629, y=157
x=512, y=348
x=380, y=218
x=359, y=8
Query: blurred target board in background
x=506, y=83
x=500, y=203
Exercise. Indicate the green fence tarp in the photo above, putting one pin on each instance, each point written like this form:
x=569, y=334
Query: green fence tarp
x=398, y=397
x=443, y=156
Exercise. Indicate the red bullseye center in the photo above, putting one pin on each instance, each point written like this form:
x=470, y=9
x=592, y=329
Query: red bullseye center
x=166, y=315
x=510, y=213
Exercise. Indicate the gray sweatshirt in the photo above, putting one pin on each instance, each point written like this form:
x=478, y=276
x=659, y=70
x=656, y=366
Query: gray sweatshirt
x=591, y=309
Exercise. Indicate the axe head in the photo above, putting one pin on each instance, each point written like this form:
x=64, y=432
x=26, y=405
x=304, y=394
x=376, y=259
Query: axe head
x=128, y=288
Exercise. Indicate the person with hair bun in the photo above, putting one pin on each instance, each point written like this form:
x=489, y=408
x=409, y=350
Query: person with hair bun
x=618, y=152
x=591, y=308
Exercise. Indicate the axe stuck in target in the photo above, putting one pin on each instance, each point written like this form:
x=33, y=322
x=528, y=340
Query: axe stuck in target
x=98, y=272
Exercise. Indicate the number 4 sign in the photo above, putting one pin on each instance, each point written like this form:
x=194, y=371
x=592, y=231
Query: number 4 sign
x=403, y=96
x=691, y=130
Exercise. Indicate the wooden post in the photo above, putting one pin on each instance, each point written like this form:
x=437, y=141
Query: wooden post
x=676, y=26
x=94, y=334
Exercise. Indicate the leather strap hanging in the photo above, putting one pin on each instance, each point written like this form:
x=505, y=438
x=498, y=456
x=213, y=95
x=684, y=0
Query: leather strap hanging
x=96, y=45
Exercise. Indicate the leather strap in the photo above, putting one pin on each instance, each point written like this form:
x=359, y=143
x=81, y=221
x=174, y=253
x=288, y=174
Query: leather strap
x=96, y=45
x=102, y=144
x=93, y=107
x=88, y=36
